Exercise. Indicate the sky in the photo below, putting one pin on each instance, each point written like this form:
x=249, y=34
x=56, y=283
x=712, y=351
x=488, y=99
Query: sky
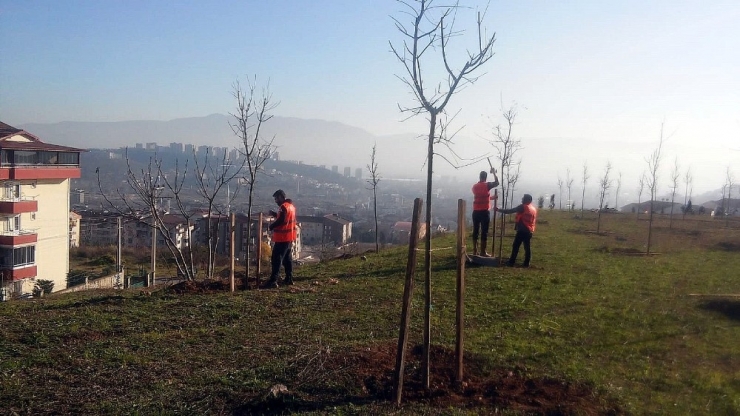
x=601, y=75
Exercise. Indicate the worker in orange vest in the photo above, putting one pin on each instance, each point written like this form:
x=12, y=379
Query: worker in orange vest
x=526, y=218
x=284, y=233
x=482, y=210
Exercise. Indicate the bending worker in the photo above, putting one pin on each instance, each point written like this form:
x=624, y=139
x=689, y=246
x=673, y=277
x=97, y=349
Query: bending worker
x=526, y=217
x=482, y=211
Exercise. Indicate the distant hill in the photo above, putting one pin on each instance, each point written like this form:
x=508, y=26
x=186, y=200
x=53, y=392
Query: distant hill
x=316, y=142
x=329, y=143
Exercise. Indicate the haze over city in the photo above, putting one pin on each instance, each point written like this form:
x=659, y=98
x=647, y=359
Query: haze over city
x=592, y=82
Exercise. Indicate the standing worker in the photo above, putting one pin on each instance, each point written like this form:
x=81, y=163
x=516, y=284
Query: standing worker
x=482, y=210
x=284, y=233
x=526, y=217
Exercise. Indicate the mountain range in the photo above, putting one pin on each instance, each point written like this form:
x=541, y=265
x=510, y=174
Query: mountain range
x=330, y=143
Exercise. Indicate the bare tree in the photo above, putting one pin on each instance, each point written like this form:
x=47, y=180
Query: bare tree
x=605, y=184
x=373, y=181
x=250, y=114
x=675, y=175
x=506, y=147
x=619, y=188
x=653, y=163
x=730, y=184
x=212, y=175
x=569, y=183
x=640, y=190
x=584, y=180
x=560, y=192
x=687, y=180
x=148, y=187
x=431, y=30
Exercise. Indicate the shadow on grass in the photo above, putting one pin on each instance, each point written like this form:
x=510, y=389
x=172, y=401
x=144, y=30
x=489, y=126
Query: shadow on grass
x=98, y=300
x=728, y=307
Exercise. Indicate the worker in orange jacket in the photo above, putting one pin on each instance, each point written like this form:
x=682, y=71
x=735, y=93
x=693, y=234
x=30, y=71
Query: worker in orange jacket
x=284, y=233
x=526, y=218
x=482, y=210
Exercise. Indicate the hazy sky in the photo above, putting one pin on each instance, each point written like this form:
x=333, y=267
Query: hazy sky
x=590, y=71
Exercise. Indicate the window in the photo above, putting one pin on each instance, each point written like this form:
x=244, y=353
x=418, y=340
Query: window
x=32, y=157
x=69, y=158
x=24, y=157
x=12, y=190
x=12, y=224
x=48, y=158
x=24, y=255
x=19, y=256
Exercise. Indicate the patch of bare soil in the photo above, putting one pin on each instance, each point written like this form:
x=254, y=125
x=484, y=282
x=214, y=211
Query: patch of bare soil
x=500, y=389
x=630, y=252
x=204, y=286
x=728, y=246
x=622, y=251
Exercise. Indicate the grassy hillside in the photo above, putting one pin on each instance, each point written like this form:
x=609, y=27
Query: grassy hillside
x=591, y=328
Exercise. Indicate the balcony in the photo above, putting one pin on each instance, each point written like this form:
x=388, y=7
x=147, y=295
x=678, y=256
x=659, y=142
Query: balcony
x=18, y=206
x=39, y=172
x=18, y=273
x=16, y=238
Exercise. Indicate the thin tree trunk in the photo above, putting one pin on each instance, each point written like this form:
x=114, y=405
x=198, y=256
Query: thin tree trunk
x=428, y=255
x=375, y=213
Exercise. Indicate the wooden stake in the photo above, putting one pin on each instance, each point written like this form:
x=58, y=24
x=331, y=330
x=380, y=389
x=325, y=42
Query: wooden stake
x=232, y=284
x=408, y=291
x=460, y=288
x=258, y=250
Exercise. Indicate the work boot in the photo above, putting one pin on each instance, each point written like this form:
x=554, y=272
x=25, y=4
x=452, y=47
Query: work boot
x=475, y=248
x=288, y=281
x=271, y=284
x=483, y=244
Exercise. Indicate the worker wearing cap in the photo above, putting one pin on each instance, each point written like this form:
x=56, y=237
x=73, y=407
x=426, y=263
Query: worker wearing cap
x=284, y=233
x=482, y=210
x=526, y=218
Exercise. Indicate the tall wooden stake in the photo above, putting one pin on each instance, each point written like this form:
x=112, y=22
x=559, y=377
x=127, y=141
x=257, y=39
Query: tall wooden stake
x=460, y=288
x=154, y=251
x=493, y=225
x=232, y=284
x=258, y=249
x=408, y=291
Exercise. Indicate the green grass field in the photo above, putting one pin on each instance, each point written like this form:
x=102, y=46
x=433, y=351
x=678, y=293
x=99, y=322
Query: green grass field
x=591, y=315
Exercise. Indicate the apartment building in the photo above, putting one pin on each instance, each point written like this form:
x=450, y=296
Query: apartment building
x=325, y=229
x=34, y=210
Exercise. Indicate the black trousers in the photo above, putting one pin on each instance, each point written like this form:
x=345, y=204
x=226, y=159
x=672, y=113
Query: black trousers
x=522, y=237
x=282, y=253
x=481, y=222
